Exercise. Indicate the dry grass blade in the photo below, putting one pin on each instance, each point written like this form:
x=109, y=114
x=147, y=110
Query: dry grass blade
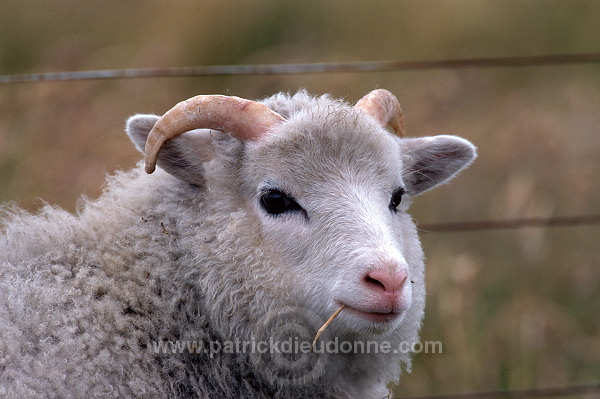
x=327, y=323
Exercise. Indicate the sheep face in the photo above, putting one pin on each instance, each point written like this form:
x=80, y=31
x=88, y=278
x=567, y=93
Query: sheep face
x=331, y=190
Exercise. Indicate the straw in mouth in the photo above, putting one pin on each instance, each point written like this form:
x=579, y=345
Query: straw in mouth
x=327, y=323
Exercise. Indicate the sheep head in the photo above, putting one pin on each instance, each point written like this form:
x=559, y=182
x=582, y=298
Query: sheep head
x=328, y=187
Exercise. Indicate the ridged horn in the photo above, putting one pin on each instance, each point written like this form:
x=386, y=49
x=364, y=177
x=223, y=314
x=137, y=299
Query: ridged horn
x=244, y=119
x=384, y=107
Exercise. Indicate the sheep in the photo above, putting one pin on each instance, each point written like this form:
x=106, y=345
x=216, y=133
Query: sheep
x=209, y=277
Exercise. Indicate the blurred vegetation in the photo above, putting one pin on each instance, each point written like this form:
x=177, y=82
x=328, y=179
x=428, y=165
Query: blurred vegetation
x=514, y=309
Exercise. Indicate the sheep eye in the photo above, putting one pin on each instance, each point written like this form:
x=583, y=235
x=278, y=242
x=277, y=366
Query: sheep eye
x=396, y=198
x=276, y=202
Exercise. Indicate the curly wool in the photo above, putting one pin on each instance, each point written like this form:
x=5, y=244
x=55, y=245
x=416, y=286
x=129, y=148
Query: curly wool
x=86, y=295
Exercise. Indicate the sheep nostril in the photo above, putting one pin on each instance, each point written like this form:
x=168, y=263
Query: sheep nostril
x=385, y=281
x=373, y=282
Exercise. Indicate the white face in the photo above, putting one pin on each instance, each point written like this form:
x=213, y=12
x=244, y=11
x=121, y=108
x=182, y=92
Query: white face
x=334, y=213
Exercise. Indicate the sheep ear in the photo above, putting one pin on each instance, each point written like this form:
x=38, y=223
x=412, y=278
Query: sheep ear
x=183, y=156
x=429, y=161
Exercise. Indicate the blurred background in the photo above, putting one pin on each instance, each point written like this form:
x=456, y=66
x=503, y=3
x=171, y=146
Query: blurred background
x=514, y=309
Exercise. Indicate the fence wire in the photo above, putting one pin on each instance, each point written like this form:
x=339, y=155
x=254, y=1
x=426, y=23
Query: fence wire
x=557, y=221
x=308, y=68
x=520, y=394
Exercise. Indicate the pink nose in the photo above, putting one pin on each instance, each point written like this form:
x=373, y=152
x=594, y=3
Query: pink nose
x=385, y=281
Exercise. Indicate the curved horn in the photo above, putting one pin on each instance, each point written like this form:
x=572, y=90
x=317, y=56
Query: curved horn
x=244, y=119
x=384, y=107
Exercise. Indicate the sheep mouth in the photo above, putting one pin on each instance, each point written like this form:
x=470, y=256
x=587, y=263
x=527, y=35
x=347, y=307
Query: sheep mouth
x=375, y=316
